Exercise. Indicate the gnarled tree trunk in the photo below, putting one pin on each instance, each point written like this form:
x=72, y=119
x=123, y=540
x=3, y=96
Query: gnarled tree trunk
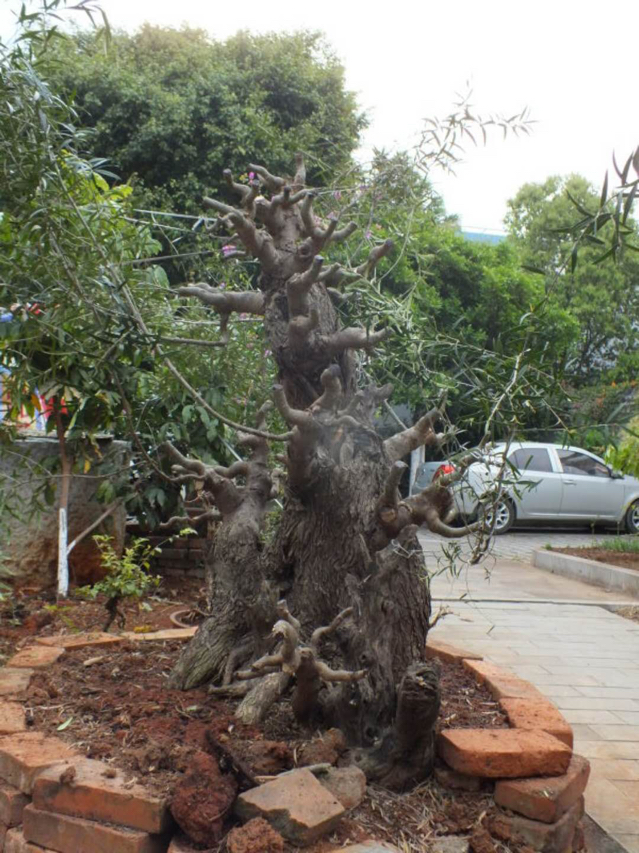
x=345, y=538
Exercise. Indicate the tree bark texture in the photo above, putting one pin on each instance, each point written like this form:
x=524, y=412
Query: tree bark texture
x=345, y=538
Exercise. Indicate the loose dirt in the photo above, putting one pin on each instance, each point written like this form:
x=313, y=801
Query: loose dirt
x=113, y=704
x=603, y=555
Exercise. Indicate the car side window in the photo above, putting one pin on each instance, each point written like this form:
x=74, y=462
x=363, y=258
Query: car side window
x=531, y=459
x=573, y=462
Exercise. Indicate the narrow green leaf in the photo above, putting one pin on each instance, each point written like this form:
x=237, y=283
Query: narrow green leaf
x=65, y=725
x=604, y=191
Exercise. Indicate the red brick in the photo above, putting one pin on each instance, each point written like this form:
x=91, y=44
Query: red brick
x=15, y=842
x=536, y=714
x=80, y=641
x=24, y=755
x=74, y=835
x=503, y=753
x=94, y=796
x=12, y=718
x=295, y=804
x=36, y=657
x=448, y=653
x=547, y=837
x=168, y=634
x=12, y=803
x=501, y=682
x=14, y=682
x=545, y=799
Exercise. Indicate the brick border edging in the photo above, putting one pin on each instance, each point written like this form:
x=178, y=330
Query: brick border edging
x=94, y=804
x=592, y=572
x=539, y=740
x=532, y=764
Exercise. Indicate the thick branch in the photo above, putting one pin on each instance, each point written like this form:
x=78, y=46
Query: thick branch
x=293, y=417
x=354, y=338
x=214, y=204
x=237, y=469
x=319, y=633
x=190, y=521
x=245, y=302
x=375, y=256
x=300, y=171
x=298, y=288
x=336, y=275
x=330, y=400
x=271, y=182
x=421, y=433
x=258, y=244
x=248, y=194
x=300, y=328
x=344, y=233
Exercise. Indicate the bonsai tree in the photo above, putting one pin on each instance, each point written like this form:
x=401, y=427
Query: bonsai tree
x=345, y=541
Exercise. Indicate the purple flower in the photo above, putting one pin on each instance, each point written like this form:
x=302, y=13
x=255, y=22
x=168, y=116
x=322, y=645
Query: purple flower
x=222, y=285
x=251, y=176
x=228, y=250
x=369, y=235
x=337, y=194
x=267, y=352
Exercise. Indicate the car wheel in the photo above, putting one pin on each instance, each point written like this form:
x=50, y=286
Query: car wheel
x=632, y=518
x=500, y=517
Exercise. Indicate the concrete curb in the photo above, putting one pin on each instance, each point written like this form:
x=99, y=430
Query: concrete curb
x=588, y=571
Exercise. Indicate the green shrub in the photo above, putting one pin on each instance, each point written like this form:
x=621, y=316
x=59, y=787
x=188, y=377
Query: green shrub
x=127, y=576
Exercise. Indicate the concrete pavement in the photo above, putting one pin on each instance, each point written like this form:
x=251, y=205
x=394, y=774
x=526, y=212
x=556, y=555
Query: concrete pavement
x=558, y=634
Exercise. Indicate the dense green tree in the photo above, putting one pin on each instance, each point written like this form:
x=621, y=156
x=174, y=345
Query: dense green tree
x=174, y=108
x=601, y=297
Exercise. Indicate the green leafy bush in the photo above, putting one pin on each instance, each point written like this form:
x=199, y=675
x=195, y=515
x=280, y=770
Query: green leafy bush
x=127, y=576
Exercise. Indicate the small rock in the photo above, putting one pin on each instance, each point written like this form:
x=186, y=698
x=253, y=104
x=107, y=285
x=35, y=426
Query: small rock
x=256, y=836
x=269, y=757
x=450, y=844
x=346, y=784
x=296, y=804
x=455, y=781
x=202, y=800
x=325, y=749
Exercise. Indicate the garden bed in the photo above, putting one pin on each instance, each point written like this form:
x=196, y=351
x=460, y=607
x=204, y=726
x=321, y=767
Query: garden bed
x=113, y=705
x=609, y=556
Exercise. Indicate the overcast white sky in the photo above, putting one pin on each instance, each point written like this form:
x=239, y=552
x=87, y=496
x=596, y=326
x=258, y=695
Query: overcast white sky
x=572, y=62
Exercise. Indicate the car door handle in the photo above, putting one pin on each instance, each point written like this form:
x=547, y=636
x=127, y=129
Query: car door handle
x=569, y=483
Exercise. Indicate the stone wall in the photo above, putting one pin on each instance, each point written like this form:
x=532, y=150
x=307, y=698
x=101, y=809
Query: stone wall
x=29, y=545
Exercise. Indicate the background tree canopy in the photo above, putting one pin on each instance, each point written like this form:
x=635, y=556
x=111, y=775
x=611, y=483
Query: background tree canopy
x=173, y=108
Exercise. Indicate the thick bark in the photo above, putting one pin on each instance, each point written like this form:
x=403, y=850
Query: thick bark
x=345, y=538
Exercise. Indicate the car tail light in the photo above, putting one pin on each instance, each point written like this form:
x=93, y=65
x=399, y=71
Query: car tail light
x=443, y=469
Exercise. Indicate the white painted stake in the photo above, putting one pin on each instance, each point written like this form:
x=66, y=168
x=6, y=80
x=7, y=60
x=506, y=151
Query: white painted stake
x=63, y=558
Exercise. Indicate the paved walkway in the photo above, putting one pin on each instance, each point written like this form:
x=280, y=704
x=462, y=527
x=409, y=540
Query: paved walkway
x=556, y=633
x=519, y=544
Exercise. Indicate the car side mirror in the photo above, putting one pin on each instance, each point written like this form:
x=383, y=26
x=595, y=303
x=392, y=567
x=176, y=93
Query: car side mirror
x=616, y=475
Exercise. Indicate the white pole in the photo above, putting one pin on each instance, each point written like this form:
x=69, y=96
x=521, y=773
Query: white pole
x=63, y=562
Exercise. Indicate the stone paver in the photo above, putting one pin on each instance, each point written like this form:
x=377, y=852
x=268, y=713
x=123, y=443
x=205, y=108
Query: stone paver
x=558, y=634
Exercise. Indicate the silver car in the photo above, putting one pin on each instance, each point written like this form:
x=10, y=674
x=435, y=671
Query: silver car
x=542, y=483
